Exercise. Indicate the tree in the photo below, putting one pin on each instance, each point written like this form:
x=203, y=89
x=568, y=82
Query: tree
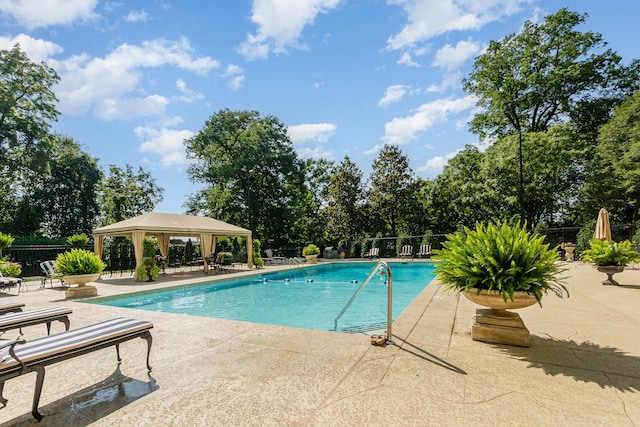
x=617, y=183
x=125, y=194
x=392, y=196
x=27, y=106
x=250, y=172
x=544, y=75
x=461, y=195
x=67, y=197
x=345, y=198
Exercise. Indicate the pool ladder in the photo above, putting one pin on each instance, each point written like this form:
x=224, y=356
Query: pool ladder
x=294, y=262
x=380, y=267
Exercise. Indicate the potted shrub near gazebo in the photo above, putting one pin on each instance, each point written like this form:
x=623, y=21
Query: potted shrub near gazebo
x=502, y=267
x=610, y=257
x=311, y=252
x=79, y=267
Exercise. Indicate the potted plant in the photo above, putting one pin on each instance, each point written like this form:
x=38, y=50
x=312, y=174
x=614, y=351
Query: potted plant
x=610, y=257
x=79, y=267
x=78, y=240
x=311, y=252
x=500, y=266
x=569, y=249
x=148, y=269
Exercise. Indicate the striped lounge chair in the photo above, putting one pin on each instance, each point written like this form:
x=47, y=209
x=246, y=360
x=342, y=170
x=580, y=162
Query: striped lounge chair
x=374, y=253
x=8, y=282
x=10, y=307
x=35, y=317
x=34, y=355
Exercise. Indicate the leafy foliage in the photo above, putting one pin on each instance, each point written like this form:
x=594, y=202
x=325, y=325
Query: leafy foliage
x=126, y=194
x=345, y=198
x=78, y=240
x=6, y=240
x=78, y=261
x=500, y=257
x=310, y=249
x=10, y=269
x=149, y=269
x=610, y=253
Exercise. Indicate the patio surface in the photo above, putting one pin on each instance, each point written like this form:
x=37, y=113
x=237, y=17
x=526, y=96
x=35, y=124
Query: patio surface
x=583, y=367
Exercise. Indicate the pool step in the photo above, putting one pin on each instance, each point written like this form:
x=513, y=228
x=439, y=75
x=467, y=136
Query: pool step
x=363, y=329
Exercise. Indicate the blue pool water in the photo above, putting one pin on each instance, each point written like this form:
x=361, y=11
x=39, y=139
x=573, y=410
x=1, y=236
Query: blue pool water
x=308, y=298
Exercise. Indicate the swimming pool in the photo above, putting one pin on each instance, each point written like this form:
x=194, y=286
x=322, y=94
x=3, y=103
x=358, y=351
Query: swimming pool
x=309, y=297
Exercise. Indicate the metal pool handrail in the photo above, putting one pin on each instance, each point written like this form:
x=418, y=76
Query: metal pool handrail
x=377, y=267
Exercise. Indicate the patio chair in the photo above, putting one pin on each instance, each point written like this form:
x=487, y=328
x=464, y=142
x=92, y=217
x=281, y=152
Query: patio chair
x=11, y=307
x=34, y=317
x=407, y=251
x=374, y=253
x=425, y=251
x=8, y=282
x=268, y=259
x=50, y=274
x=34, y=355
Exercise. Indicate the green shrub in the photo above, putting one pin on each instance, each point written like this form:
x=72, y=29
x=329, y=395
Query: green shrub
x=310, y=249
x=149, y=269
x=610, y=253
x=78, y=240
x=10, y=269
x=257, y=259
x=78, y=261
x=5, y=241
x=500, y=257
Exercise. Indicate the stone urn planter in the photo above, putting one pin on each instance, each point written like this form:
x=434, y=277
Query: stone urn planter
x=497, y=325
x=569, y=253
x=312, y=259
x=81, y=290
x=79, y=267
x=610, y=270
x=518, y=267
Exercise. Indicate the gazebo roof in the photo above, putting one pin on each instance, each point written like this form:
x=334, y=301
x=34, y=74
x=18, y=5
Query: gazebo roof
x=172, y=224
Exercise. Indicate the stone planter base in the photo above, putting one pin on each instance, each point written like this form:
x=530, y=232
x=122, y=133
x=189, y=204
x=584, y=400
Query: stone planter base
x=312, y=259
x=81, y=292
x=500, y=327
x=610, y=270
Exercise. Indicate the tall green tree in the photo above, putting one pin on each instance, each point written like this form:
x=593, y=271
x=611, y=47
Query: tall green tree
x=345, y=198
x=616, y=184
x=251, y=175
x=544, y=75
x=125, y=194
x=461, y=195
x=27, y=107
x=67, y=196
x=392, y=195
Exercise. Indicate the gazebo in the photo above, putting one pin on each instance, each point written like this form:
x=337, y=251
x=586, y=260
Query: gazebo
x=164, y=226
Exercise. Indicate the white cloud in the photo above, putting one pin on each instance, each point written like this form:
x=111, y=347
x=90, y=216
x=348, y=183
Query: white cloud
x=235, y=74
x=188, y=95
x=435, y=165
x=167, y=143
x=403, y=130
x=430, y=18
x=319, y=132
x=43, y=13
x=393, y=94
x=137, y=16
x=37, y=50
x=450, y=57
x=315, y=153
x=280, y=23
x=106, y=85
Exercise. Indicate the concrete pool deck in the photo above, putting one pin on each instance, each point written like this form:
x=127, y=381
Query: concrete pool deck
x=583, y=367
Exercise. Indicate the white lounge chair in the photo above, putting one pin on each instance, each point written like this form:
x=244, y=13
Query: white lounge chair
x=407, y=251
x=425, y=251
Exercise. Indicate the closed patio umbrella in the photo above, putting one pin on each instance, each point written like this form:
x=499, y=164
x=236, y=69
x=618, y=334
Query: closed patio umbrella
x=603, y=228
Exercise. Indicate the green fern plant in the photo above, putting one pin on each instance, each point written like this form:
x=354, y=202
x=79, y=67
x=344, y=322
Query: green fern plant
x=310, y=249
x=610, y=253
x=78, y=261
x=500, y=257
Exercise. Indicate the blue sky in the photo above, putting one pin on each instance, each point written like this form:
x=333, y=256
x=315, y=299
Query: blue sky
x=345, y=76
